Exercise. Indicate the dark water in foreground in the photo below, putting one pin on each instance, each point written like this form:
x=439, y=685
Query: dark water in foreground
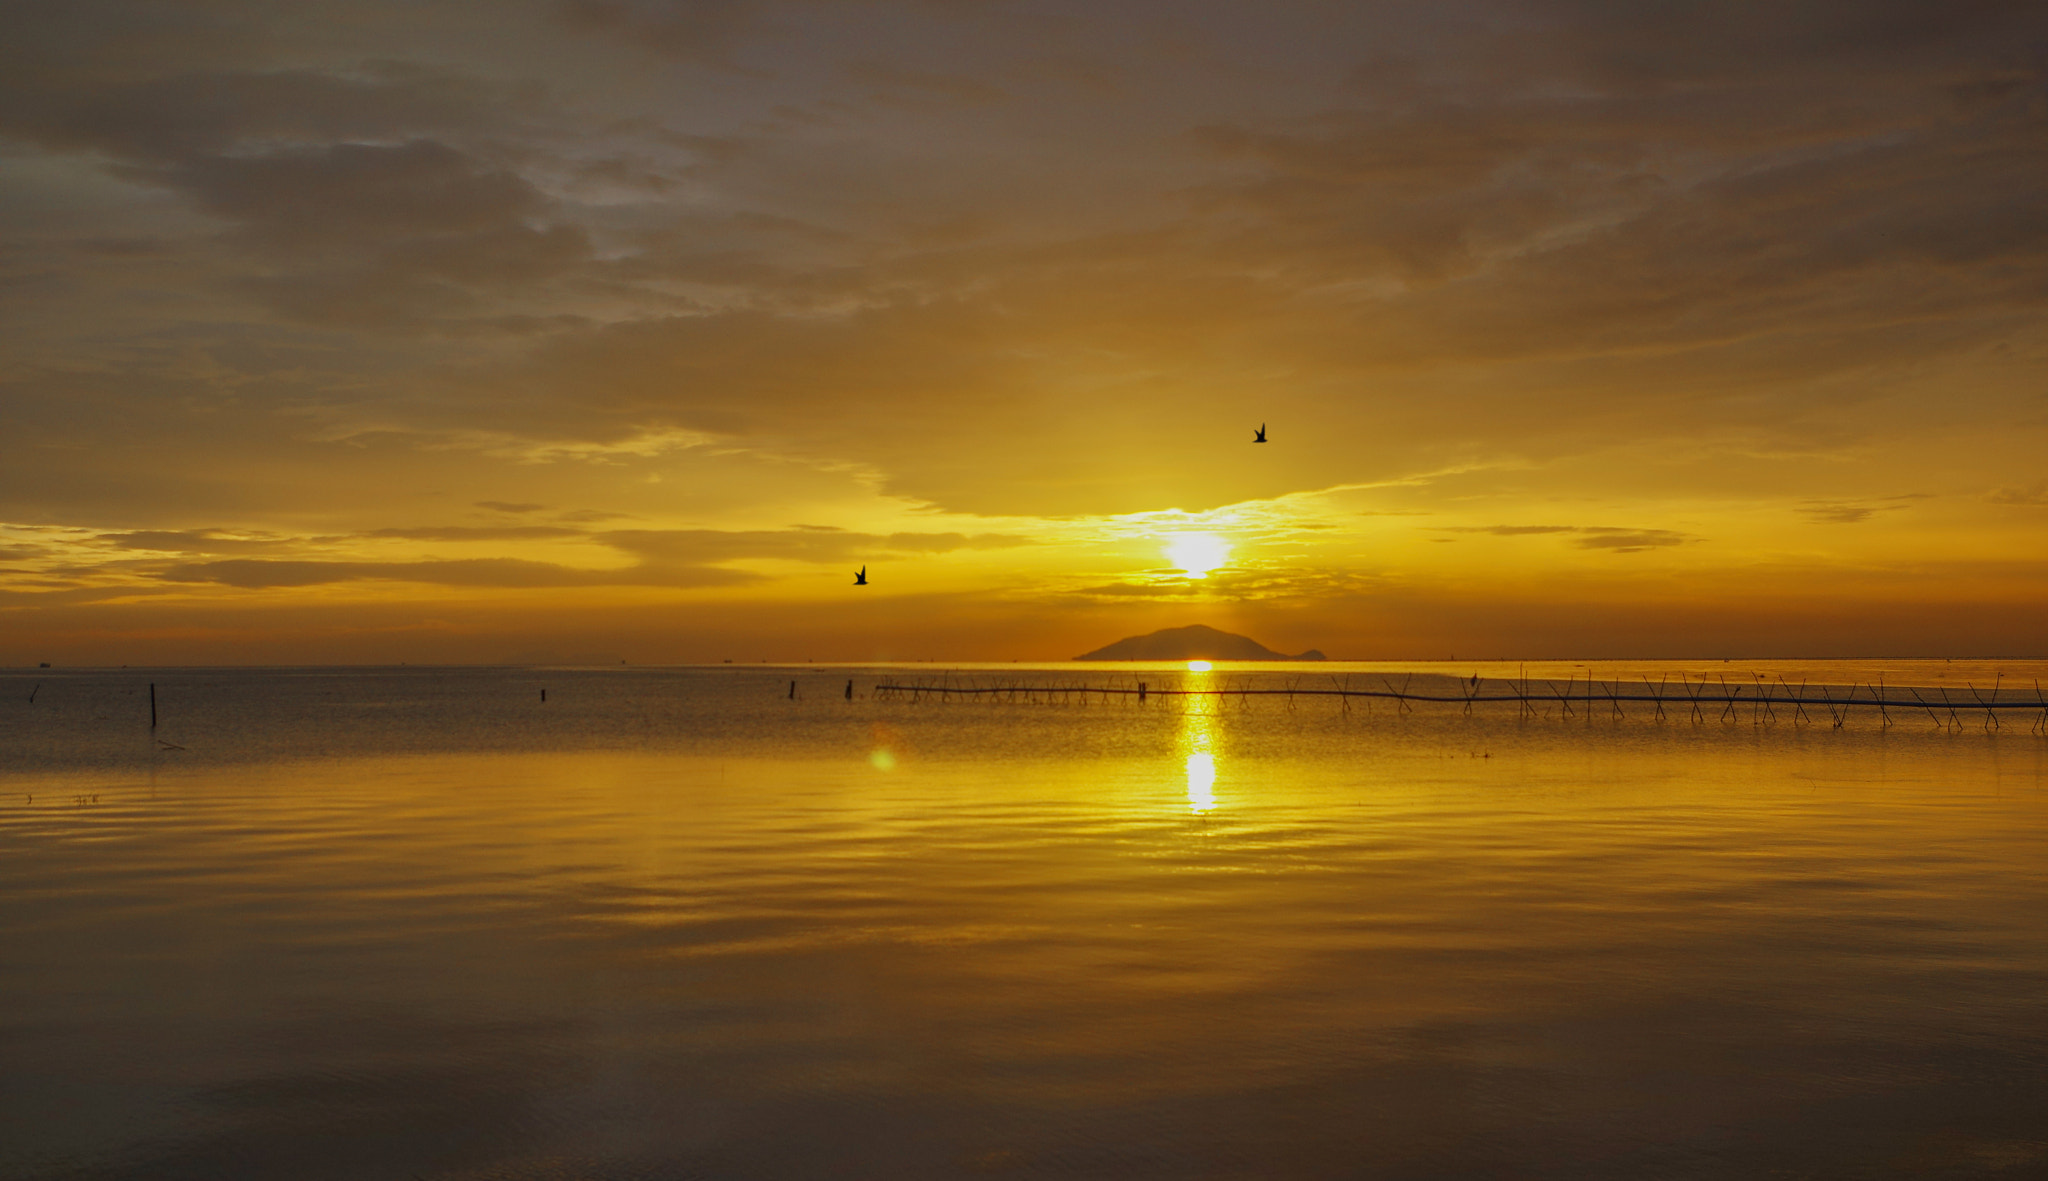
x=416, y=923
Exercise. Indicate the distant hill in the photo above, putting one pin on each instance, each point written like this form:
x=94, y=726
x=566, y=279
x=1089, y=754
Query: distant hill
x=1192, y=643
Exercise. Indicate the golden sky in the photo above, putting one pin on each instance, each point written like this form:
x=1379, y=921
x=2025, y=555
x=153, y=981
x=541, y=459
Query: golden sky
x=629, y=329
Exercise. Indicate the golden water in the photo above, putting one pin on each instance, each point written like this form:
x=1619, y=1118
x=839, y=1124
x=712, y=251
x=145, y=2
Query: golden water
x=672, y=923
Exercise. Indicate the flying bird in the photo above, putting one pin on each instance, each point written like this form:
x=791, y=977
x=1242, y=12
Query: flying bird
x=1261, y=437
x=861, y=577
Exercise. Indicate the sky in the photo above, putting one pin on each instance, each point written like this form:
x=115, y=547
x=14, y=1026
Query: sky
x=595, y=330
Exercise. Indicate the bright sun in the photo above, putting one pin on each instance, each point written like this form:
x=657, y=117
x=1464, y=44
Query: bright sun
x=1197, y=553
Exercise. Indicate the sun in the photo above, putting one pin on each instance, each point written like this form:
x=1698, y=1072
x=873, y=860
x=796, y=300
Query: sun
x=1197, y=553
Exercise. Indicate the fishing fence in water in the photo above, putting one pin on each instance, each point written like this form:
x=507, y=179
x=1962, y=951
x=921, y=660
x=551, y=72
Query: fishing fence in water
x=1695, y=698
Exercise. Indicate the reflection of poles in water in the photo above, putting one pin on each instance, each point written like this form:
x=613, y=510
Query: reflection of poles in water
x=152, y=729
x=1690, y=698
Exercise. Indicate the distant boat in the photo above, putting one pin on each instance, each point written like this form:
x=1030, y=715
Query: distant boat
x=861, y=577
x=1261, y=436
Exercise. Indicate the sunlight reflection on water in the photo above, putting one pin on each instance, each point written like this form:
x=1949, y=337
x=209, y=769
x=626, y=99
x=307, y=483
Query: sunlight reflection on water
x=1198, y=738
x=692, y=926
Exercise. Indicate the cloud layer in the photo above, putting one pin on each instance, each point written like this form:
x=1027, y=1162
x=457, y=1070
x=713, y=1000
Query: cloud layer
x=571, y=298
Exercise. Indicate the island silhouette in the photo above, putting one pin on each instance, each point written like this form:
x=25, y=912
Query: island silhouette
x=1195, y=642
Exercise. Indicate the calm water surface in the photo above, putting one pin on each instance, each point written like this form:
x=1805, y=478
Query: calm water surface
x=673, y=923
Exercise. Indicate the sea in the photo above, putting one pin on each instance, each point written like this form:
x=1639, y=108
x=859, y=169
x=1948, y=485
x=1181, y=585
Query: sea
x=760, y=921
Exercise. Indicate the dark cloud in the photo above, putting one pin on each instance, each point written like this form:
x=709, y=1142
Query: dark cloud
x=923, y=88
x=679, y=557
x=251, y=574
x=174, y=118
x=384, y=233
x=1597, y=537
x=1628, y=541
x=345, y=188
x=477, y=533
x=1839, y=514
x=1651, y=48
x=1844, y=512
x=507, y=506
x=2033, y=494
x=193, y=541
x=1610, y=220
x=419, y=190
x=703, y=31
x=804, y=544
x=13, y=596
x=674, y=558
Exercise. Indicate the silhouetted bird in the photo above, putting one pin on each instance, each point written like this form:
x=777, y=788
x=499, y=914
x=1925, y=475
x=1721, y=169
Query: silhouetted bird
x=861, y=579
x=1261, y=436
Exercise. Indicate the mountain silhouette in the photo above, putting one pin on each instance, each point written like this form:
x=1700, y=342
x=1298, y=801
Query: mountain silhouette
x=1192, y=643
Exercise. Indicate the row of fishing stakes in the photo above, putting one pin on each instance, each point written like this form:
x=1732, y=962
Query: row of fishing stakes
x=1760, y=699
x=849, y=690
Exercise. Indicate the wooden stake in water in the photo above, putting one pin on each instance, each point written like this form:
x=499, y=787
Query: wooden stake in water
x=152, y=705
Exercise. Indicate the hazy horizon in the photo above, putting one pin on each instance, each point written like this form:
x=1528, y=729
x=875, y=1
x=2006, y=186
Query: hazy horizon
x=596, y=661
